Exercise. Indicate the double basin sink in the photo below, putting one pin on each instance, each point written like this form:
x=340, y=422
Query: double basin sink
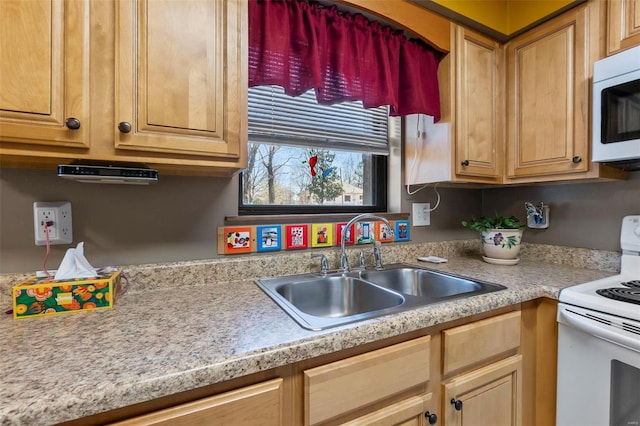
x=318, y=301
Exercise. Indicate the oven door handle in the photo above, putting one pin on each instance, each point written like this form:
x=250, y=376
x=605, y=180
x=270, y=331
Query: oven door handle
x=575, y=318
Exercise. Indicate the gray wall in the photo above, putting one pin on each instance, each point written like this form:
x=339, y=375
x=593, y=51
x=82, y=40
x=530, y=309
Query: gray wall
x=456, y=204
x=586, y=215
x=177, y=219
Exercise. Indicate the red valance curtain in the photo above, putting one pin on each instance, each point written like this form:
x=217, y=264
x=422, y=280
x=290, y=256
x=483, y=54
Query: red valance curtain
x=300, y=45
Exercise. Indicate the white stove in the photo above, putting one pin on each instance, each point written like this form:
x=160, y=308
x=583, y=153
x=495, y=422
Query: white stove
x=599, y=343
x=618, y=295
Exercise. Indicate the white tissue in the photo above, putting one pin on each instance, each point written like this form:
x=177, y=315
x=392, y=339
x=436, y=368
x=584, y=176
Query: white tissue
x=75, y=265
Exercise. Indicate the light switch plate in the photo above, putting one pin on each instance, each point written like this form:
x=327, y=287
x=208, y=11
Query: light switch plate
x=421, y=214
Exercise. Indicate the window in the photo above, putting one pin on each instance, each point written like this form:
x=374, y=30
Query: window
x=310, y=158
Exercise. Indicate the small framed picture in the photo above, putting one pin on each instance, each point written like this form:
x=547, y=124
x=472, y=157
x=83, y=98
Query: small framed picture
x=365, y=232
x=269, y=238
x=384, y=233
x=340, y=229
x=321, y=235
x=237, y=239
x=297, y=236
x=402, y=230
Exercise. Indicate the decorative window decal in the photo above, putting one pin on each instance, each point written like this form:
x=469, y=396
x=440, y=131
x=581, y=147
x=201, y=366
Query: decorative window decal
x=340, y=230
x=269, y=238
x=236, y=239
x=384, y=233
x=402, y=230
x=297, y=236
x=321, y=235
x=365, y=232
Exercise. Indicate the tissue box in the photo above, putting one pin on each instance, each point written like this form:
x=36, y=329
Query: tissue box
x=46, y=296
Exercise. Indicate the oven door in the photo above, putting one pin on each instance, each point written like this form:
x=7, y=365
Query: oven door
x=598, y=369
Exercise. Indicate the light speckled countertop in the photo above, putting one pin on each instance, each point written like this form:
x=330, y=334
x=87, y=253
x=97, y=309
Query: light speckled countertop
x=187, y=330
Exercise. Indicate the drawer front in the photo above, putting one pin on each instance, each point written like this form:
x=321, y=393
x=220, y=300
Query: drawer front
x=404, y=413
x=473, y=343
x=258, y=405
x=340, y=387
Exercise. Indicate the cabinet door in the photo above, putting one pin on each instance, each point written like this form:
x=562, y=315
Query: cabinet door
x=44, y=72
x=623, y=25
x=344, y=386
x=548, y=97
x=490, y=396
x=479, y=105
x=409, y=412
x=259, y=405
x=180, y=80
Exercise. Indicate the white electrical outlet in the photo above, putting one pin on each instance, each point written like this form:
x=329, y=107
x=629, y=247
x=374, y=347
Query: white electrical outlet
x=421, y=214
x=58, y=213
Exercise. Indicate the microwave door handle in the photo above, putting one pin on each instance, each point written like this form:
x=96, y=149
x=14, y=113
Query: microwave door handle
x=595, y=328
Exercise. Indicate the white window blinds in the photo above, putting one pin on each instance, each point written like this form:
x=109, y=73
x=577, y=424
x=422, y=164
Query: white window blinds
x=276, y=118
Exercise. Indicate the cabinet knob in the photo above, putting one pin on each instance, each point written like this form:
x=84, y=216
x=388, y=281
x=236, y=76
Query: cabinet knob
x=124, y=127
x=72, y=123
x=431, y=418
x=465, y=163
x=577, y=159
x=457, y=404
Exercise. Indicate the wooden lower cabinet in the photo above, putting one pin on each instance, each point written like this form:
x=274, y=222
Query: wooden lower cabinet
x=469, y=344
x=500, y=366
x=490, y=395
x=342, y=387
x=409, y=412
x=257, y=405
x=482, y=372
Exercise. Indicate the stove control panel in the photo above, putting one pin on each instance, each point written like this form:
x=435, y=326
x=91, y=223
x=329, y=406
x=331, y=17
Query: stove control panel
x=630, y=234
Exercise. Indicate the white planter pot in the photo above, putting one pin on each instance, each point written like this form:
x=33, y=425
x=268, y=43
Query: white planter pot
x=502, y=243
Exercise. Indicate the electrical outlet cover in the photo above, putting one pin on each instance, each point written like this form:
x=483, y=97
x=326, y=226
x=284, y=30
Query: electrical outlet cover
x=421, y=214
x=58, y=212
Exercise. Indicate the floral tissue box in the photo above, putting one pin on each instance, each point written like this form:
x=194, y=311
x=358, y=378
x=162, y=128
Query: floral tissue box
x=45, y=296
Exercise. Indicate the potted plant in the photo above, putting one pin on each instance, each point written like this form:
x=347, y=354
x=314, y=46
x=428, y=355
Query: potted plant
x=501, y=237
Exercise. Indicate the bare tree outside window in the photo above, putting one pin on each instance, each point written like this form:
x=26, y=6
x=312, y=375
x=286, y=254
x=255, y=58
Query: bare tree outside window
x=282, y=175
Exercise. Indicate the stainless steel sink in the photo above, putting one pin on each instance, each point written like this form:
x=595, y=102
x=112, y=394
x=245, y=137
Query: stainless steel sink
x=422, y=282
x=318, y=302
x=338, y=296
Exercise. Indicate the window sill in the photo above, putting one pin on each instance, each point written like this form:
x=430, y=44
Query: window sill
x=303, y=218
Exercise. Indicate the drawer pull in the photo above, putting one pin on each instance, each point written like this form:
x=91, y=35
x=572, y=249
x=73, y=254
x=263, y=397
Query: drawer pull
x=431, y=418
x=72, y=123
x=124, y=127
x=457, y=404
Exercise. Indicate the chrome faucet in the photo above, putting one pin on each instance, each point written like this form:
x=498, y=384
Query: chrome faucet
x=376, y=255
x=344, y=262
x=324, y=263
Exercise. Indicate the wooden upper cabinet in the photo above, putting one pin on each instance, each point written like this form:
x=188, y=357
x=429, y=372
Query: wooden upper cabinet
x=44, y=72
x=548, y=96
x=467, y=145
x=179, y=68
x=623, y=22
x=479, y=105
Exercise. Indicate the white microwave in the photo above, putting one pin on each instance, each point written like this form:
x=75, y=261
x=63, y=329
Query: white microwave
x=616, y=110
